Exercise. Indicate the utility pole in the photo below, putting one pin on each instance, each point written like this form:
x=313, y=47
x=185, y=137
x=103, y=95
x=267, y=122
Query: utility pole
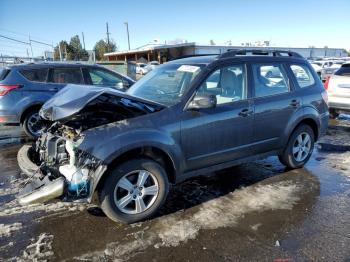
x=127, y=32
x=31, y=48
x=107, y=38
x=82, y=34
x=59, y=50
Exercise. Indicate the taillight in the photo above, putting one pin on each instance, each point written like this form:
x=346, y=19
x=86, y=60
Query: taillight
x=4, y=89
x=327, y=83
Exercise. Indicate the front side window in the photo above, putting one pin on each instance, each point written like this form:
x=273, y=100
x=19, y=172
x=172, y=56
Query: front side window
x=166, y=84
x=102, y=77
x=67, y=76
x=303, y=75
x=37, y=75
x=269, y=79
x=227, y=84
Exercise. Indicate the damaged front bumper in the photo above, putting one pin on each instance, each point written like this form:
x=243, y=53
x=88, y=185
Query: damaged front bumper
x=75, y=180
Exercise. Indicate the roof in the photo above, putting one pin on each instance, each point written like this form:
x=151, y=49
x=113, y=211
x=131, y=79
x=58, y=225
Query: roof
x=51, y=64
x=194, y=60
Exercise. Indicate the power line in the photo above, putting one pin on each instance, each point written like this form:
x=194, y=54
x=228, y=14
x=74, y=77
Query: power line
x=41, y=42
x=22, y=34
x=10, y=38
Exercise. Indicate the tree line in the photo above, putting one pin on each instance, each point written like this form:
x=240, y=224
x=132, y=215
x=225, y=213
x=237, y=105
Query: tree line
x=74, y=51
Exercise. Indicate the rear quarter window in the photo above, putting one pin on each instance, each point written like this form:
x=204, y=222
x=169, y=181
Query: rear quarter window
x=37, y=75
x=4, y=73
x=303, y=75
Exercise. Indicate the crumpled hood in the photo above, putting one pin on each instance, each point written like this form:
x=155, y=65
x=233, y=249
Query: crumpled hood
x=73, y=98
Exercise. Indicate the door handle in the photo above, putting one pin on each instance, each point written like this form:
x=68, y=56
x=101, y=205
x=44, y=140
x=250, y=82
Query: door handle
x=245, y=112
x=53, y=89
x=295, y=103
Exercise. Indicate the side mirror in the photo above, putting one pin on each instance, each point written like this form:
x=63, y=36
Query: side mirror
x=202, y=100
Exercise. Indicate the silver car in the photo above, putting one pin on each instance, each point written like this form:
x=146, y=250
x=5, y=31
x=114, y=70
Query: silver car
x=338, y=86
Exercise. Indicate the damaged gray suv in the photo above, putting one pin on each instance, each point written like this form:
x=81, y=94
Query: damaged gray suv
x=186, y=118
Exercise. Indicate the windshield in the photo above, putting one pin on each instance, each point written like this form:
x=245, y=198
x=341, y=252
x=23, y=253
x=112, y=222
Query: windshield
x=166, y=84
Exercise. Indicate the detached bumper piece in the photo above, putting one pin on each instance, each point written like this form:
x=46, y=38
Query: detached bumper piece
x=39, y=191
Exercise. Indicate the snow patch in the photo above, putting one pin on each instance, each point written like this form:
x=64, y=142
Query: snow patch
x=6, y=230
x=52, y=207
x=40, y=249
x=224, y=211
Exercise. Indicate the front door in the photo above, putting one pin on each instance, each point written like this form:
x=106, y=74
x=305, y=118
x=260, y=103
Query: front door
x=220, y=134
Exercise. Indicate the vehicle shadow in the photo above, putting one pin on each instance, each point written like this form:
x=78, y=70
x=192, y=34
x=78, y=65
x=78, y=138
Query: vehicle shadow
x=201, y=189
x=196, y=191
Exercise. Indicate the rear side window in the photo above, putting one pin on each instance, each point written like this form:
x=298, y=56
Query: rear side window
x=3, y=73
x=67, y=76
x=37, y=75
x=269, y=79
x=303, y=75
x=343, y=71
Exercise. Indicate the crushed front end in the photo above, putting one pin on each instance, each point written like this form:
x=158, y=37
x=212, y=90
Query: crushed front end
x=63, y=170
x=55, y=165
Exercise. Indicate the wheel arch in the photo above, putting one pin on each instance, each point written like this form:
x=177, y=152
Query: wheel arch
x=151, y=152
x=29, y=109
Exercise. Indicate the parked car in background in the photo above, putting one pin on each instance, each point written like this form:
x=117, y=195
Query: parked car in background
x=338, y=87
x=328, y=71
x=152, y=65
x=24, y=88
x=141, y=68
x=323, y=63
x=186, y=118
x=317, y=68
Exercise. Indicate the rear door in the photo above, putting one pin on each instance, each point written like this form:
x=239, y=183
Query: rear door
x=59, y=77
x=275, y=101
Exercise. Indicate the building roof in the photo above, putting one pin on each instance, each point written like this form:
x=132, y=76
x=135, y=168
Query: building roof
x=149, y=47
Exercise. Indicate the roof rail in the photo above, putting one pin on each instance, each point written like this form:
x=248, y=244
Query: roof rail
x=235, y=52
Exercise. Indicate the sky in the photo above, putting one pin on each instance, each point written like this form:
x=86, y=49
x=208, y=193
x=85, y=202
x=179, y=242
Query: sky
x=293, y=23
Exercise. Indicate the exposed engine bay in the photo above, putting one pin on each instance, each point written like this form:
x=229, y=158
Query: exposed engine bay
x=63, y=169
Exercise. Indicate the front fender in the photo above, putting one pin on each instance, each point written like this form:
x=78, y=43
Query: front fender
x=106, y=144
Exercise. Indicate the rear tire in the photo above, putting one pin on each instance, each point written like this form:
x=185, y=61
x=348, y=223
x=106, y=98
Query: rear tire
x=29, y=124
x=299, y=148
x=128, y=197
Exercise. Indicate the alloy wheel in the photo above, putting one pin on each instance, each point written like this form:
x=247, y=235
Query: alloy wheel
x=136, y=192
x=301, y=147
x=34, y=124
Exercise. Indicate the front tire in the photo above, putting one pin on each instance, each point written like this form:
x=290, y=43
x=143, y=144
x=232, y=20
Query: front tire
x=299, y=148
x=134, y=191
